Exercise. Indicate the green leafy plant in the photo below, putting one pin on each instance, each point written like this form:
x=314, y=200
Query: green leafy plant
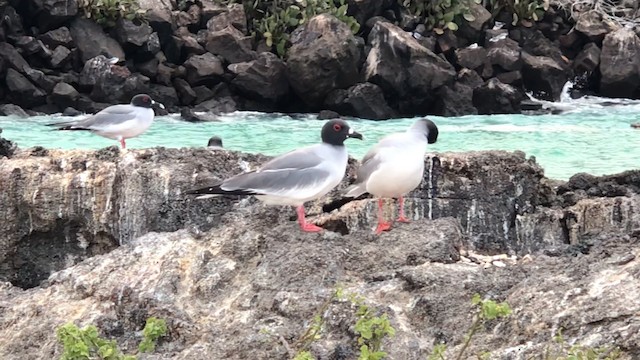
x=486, y=310
x=371, y=329
x=153, y=330
x=564, y=351
x=107, y=12
x=438, y=352
x=274, y=20
x=438, y=15
x=85, y=344
x=523, y=12
x=304, y=355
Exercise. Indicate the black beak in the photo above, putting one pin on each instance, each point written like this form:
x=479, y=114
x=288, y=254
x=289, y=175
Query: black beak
x=355, y=135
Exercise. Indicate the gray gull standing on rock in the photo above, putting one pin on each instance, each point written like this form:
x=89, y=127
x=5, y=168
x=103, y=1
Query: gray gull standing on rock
x=215, y=143
x=393, y=167
x=118, y=122
x=295, y=177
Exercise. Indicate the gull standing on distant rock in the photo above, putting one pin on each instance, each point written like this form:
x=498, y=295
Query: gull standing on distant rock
x=215, y=143
x=393, y=167
x=295, y=177
x=118, y=122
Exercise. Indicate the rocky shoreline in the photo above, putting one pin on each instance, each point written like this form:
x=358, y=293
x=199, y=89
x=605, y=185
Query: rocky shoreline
x=237, y=280
x=200, y=55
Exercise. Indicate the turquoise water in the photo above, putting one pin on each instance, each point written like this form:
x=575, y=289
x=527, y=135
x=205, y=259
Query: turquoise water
x=588, y=138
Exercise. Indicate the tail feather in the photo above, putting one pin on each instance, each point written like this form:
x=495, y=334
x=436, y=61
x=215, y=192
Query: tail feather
x=71, y=127
x=66, y=126
x=216, y=189
x=354, y=191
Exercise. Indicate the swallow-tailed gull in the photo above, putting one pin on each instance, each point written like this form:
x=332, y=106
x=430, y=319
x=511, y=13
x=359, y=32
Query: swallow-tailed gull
x=215, y=143
x=295, y=177
x=394, y=167
x=118, y=122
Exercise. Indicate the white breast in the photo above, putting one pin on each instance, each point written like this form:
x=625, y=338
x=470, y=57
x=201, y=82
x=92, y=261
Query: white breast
x=401, y=169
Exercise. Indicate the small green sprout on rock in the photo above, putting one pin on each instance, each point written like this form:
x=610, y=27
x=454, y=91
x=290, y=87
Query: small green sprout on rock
x=486, y=310
x=85, y=344
x=154, y=329
x=304, y=355
x=578, y=352
x=372, y=330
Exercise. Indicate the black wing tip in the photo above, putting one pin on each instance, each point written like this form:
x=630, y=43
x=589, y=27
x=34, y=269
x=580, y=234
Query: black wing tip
x=340, y=202
x=65, y=127
x=216, y=190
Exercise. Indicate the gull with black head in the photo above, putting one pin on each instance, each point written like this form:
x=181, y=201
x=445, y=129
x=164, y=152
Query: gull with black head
x=393, y=167
x=117, y=122
x=295, y=177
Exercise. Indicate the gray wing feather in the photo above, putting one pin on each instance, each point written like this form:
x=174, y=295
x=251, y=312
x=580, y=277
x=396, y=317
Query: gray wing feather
x=277, y=182
x=112, y=115
x=297, y=159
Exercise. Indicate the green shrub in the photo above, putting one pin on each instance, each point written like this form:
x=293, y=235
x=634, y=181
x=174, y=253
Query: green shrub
x=274, y=20
x=85, y=344
x=438, y=15
x=153, y=330
x=522, y=11
x=107, y=12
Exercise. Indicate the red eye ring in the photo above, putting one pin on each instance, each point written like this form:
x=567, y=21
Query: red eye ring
x=337, y=127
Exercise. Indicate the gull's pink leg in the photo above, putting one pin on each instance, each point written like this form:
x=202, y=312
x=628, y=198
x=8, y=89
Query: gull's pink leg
x=123, y=144
x=401, y=217
x=382, y=225
x=304, y=225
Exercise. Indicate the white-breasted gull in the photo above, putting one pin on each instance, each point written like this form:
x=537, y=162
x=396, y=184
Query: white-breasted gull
x=295, y=177
x=393, y=167
x=118, y=122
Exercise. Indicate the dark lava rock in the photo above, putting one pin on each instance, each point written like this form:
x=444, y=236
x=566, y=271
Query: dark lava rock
x=231, y=44
x=64, y=95
x=620, y=64
x=327, y=115
x=205, y=69
x=49, y=14
x=7, y=147
x=494, y=97
x=69, y=111
x=364, y=100
x=233, y=16
x=131, y=33
x=407, y=72
x=543, y=76
x=263, y=79
x=185, y=91
x=59, y=36
x=10, y=22
x=12, y=110
x=217, y=106
x=61, y=57
x=92, y=40
x=324, y=56
x=22, y=91
x=471, y=58
x=12, y=58
x=588, y=59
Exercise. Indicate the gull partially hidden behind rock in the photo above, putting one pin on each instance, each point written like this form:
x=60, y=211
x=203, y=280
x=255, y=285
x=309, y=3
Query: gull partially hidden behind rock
x=295, y=177
x=118, y=122
x=393, y=167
